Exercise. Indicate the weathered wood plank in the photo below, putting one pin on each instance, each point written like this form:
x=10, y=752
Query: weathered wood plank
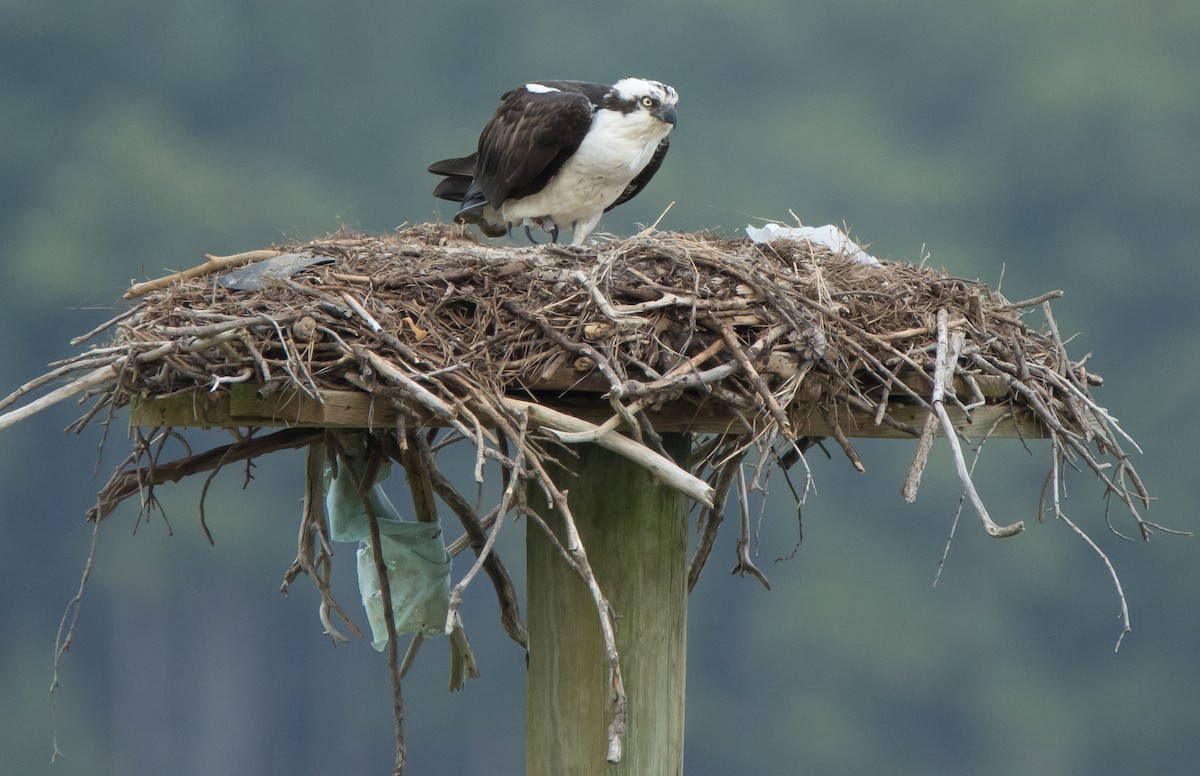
x=636, y=540
x=240, y=405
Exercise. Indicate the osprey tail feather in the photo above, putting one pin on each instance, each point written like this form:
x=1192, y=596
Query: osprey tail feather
x=459, y=186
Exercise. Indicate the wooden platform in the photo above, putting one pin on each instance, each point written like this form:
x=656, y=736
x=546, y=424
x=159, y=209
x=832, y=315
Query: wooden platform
x=242, y=406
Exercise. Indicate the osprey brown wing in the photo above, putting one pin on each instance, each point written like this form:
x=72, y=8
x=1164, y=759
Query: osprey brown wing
x=528, y=139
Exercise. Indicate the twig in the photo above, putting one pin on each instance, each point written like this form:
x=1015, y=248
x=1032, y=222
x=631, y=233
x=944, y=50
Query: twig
x=418, y=470
x=357, y=307
x=613, y=312
x=924, y=445
x=962, y=500
x=313, y=557
x=744, y=565
x=514, y=479
x=475, y=537
x=66, y=632
x=374, y=459
x=82, y=338
x=712, y=516
x=60, y=369
x=667, y=471
x=408, y=386
x=654, y=226
x=1112, y=572
x=1035, y=301
x=96, y=377
x=947, y=359
x=214, y=264
x=125, y=483
x=756, y=380
x=843, y=441
x=209, y=329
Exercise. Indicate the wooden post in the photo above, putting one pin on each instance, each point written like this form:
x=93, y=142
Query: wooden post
x=635, y=534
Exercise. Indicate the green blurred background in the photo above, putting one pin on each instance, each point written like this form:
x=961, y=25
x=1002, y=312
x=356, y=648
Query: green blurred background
x=1035, y=145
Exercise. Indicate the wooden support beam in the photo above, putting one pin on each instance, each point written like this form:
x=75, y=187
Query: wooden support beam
x=241, y=406
x=635, y=532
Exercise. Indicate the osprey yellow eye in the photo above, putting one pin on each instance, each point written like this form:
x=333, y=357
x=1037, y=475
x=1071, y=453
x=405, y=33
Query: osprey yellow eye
x=649, y=102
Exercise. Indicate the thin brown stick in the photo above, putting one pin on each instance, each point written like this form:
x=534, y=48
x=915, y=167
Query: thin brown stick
x=66, y=633
x=214, y=264
x=510, y=613
x=126, y=482
x=744, y=564
x=313, y=554
x=374, y=459
x=839, y=436
x=756, y=380
x=947, y=358
x=1034, y=302
x=712, y=516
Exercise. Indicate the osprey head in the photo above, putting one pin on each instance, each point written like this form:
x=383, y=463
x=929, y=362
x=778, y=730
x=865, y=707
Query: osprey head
x=654, y=99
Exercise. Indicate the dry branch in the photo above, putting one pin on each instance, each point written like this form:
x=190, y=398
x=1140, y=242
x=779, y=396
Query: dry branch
x=214, y=264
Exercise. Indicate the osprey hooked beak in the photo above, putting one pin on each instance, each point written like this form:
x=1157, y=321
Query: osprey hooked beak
x=666, y=114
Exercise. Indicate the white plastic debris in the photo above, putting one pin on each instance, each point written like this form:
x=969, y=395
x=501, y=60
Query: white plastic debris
x=829, y=236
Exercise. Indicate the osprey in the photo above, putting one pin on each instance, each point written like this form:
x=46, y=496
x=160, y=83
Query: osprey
x=559, y=154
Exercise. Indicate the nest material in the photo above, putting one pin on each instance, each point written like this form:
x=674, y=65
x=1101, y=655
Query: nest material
x=767, y=344
x=761, y=342
x=429, y=300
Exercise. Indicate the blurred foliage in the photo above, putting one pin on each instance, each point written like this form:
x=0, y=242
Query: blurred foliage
x=1041, y=145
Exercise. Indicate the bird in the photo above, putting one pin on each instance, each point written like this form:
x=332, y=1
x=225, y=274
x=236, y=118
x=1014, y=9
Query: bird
x=560, y=154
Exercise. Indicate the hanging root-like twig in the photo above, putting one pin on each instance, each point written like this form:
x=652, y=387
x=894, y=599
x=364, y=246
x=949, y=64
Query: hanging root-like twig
x=711, y=517
x=126, y=482
x=476, y=537
x=375, y=455
x=961, y=502
x=314, y=556
x=511, y=492
x=744, y=565
x=66, y=632
x=948, y=349
x=1056, y=490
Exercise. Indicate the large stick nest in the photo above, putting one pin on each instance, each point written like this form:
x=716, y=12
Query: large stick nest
x=764, y=348
x=763, y=342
